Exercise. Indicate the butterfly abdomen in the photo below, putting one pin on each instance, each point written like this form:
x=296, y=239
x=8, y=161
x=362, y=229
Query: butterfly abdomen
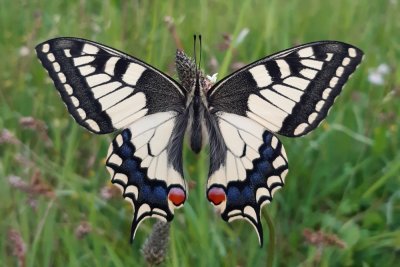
x=196, y=133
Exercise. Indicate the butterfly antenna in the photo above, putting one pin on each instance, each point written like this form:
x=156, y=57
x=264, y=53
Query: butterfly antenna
x=199, y=52
x=194, y=51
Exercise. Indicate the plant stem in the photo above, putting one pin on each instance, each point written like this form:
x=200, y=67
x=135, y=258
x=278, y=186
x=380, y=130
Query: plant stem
x=271, y=243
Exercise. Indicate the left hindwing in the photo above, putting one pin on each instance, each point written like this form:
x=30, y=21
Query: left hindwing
x=290, y=92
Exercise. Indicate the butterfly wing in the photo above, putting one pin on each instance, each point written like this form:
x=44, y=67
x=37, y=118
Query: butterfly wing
x=105, y=90
x=145, y=162
x=247, y=165
x=288, y=93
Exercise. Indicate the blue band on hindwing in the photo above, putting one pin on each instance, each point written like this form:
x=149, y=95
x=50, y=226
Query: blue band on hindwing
x=152, y=192
x=241, y=194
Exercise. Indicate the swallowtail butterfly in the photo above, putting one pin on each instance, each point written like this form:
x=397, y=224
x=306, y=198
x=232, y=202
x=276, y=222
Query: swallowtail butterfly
x=288, y=93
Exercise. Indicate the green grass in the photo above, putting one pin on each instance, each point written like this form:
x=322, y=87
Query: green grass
x=344, y=177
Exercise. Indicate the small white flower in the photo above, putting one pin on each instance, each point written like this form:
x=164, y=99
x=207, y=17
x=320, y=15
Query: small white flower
x=383, y=68
x=241, y=36
x=213, y=78
x=24, y=51
x=376, y=78
x=377, y=75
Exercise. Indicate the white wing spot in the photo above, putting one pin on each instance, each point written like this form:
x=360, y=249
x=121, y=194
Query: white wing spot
x=249, y=210
x=97, y=79
x=352, y=52
x=261, y=76
x=300, y=129
x=81, y=113
x=279, y=161
x=83, y=60
x=101, y=90
x=346, y=61
x=119, y=140
x=270, y=126
x=62, y=77
x=274, y=142
x=143, y=209
x=315, y=64
x=56, y=67
x=50, y=57
x=75, y=101
x=162, y=166
x=263, y=109
x=115, y=97
x=312, y=117
x=121, y=177
x=68, y=89
x=231, y=169
x=218, y=177
x=86, y=70
x=115, y=159
x=232, y=138
x=306, y=52
x=289, y=92
x=297, y=82
x=93, y=125
x=133, y=73
x=309, y=73
x=333, y=81
x=159, y=142
x=319, y=105
x=127, y=107
x=272, y=180
x=329, y=56
x=339, y=71
x=129, y=119
x=262, y=191
x=110, y=65
x=283, y=68
x=326, y=93
x=90, y=49
x=45, y=48
x=131, y=189
x=67, y=53
x=278, y=100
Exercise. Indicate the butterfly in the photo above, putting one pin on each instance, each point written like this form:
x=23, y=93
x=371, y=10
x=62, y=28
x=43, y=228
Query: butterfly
x=288, y=93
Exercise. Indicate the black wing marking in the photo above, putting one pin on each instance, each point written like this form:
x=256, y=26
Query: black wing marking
x=105, y=89
x=290, y=92
x=247, y=165
x=145, y=162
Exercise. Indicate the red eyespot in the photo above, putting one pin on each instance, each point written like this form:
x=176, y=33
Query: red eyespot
x=177, y=196
x=216, y=195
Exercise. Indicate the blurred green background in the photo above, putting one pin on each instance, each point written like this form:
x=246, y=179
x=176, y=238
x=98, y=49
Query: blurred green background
x=341, y=202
